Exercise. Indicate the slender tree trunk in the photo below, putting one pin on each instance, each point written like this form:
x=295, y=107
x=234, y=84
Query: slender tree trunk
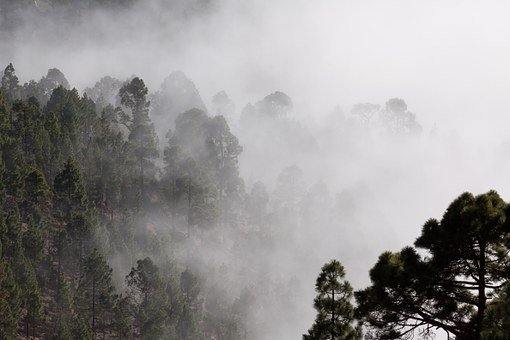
x=68, y=201
x=59, y=265
x=189, y=209
x=221, y=187
x=188, y=218
x=333, y=315
x=141, y=178
x=104, y=204
x=482, y=298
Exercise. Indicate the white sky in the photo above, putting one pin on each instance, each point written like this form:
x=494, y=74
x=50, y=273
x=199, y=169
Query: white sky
x=450, y=60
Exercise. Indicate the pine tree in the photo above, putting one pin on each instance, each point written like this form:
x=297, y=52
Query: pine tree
x=223, y=153
x=63, y=306
x=54, y=144
x=31, y=296
x=335, y=313
x=30, y=132
x=70, y=117
x=12, y=237
x=73, y=241
x=10, y=302
x=215, y=150
x=10, y=84
x=69, y=190
x=36, y=196
x=95, y=293
x=62, y=121
x=80, y=232
x=33, y=243
x=142, y=138
x=187, y=187
x=6, y=137
x=448, y=279
x=10, y=149
x=107, y=161
x=146, y=287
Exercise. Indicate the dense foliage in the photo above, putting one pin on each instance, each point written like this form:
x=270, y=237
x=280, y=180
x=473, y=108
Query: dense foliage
x=449, y=280
x=80, y=188
x=455, y=280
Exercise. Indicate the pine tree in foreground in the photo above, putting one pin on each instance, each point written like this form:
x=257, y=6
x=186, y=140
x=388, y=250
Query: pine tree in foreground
x=335, y=313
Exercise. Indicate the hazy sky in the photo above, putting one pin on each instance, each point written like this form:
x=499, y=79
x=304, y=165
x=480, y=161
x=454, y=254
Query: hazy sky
x=449, y=59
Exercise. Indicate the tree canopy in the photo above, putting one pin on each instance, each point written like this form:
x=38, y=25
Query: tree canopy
x=448, y=279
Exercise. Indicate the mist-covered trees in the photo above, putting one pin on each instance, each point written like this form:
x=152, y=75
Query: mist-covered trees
x=222, y=105
x=146, y=288
x=464, y=264
x=176, y=95
x=41, y=90
x=142, y=139
x=78, y=187
x=10, y=84
x=202, y=166
x=335, y=313
x=393, y=118
x=273, y=135
x=105, y=234
x=398, y=119
x=365, y=112
x=105, y=92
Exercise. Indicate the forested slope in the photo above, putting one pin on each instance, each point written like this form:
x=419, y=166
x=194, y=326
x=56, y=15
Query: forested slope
x=80, y=190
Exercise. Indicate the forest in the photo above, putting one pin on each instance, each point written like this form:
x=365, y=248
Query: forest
x=87, y=187
x=227, y=170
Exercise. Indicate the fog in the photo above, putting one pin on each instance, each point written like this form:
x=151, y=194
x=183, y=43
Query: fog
x=442, y=57
x=449, y=61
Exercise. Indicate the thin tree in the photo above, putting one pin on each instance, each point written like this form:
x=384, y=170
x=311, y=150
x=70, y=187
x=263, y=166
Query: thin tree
x=142, y=137
x=335, y=313
x=95, y=292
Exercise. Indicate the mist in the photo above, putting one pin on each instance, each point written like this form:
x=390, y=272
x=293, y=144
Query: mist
x=339, y=187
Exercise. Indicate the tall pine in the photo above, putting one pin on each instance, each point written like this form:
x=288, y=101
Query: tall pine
x=142, y=138
x=95, y=294
x=335, y=313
